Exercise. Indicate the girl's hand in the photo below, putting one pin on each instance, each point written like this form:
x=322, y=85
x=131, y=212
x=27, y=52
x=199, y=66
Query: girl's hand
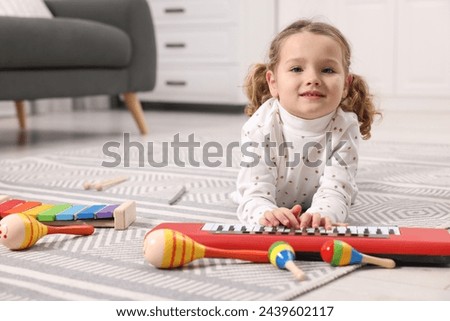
x=315, y=220
x=282, y=216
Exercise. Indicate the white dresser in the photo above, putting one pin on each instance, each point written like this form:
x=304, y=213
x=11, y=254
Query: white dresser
x=205, y=48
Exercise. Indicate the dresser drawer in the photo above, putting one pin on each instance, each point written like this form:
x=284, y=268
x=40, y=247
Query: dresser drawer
x=205, y=47
x=194, y=11
x=201, y=84
x=202, y=45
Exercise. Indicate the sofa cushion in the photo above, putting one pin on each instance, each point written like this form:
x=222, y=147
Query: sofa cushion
x=33, y=43
x=24, y=8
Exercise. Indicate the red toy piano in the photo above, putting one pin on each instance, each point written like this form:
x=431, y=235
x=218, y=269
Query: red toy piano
x=405, y=245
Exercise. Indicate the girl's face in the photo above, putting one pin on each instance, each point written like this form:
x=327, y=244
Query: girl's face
x=309, y=80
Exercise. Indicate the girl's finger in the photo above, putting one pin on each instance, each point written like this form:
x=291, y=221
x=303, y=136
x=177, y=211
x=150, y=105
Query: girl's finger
x=281, y=216
x=288, y=218
x=263, y=221
x=272, y=218
x=305, y=220
x=316, y=218
x=326, y=222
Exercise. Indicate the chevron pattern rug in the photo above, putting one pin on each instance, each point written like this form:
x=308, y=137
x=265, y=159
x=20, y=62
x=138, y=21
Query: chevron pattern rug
x=406, y=185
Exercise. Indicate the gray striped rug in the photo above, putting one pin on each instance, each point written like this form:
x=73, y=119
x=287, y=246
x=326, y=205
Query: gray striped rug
x=396, y=187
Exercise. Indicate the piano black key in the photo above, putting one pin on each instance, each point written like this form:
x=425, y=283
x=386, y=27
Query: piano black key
x=260, y=229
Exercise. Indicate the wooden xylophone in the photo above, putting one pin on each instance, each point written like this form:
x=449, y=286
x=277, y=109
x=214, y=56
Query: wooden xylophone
x=119, y=216
x=405, y=245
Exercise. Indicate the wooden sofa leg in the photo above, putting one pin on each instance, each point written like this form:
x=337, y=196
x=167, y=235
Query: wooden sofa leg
x=134, y=106
x=20, y=111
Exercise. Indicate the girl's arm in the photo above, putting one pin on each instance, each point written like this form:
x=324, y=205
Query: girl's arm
x=338, y=188
x=256, y=182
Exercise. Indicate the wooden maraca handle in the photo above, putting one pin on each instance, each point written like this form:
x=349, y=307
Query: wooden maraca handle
x=298, y=273
x=84, y=229
x=386, y=263
x=247, y=255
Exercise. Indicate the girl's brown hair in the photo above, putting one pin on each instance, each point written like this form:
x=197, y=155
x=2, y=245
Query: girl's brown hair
x=358, y=99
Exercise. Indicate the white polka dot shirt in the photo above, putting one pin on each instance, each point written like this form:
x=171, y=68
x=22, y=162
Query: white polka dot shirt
x=287, y=160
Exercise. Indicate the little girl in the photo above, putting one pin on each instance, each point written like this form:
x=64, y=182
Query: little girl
x=300, y=147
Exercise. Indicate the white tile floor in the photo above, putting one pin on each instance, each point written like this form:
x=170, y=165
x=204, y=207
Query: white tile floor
x=51, y=131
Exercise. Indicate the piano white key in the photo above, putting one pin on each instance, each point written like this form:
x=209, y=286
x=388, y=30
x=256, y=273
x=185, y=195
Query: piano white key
x=395, y=229
x=251, y=228
x=298, y=232
x=208, y=227
x=237, y=228
x=323, y=231
x=372, y=230
x=353, y=230
x=384, y=230
x=341, y=230
x=217, y=228
x=361, y=229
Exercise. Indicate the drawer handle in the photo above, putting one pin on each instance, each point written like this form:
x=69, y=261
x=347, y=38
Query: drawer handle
x=179, y=83
x=174, y=10
x=175, y=45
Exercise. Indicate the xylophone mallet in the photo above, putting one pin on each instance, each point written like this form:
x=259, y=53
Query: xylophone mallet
x=166, y=249
x=340, y=253
x=282, y=255
x=108, y=183
x=88, y=184
x=20, y=231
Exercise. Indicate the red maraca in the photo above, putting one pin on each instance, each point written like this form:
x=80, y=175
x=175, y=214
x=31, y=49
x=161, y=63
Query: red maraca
x=339, y=253
x=20, y=231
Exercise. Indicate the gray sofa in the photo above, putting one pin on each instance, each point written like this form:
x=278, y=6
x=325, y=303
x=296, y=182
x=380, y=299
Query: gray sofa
x=90, y=47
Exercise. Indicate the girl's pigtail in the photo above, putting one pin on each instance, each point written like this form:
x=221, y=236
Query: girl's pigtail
x=360, y=101
x=256, y=88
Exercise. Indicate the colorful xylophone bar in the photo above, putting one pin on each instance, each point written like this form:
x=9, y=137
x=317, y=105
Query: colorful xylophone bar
x=119, y=216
